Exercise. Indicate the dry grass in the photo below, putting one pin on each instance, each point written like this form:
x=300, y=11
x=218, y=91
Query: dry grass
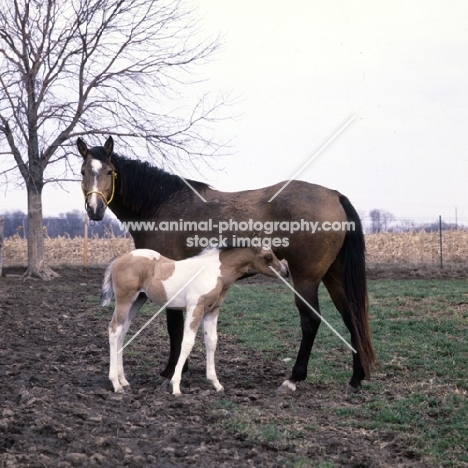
x=417, y=247
x=409, y=248
x=65, y=251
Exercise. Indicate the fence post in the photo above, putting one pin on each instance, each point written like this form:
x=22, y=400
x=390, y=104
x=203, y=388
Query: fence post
x=2, y=237
x=440, y=242
x=85, y=244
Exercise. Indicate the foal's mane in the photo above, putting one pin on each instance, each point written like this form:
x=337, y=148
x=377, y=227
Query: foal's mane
x=208, y=251
x=144, y=188
x=222, y=248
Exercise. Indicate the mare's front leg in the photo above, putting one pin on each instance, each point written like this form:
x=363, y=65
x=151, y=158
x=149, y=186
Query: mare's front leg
x=210, y=323
x=125, y=312
x=193, y=318
x=175, y=328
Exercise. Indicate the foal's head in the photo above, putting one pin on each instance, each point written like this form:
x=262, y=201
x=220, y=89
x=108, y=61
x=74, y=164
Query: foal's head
x=99, y=176
x=265, y=260
x=254, y=260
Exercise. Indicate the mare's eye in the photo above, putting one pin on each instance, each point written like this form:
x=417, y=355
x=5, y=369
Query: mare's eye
x=82, y=172
x=269, y=258
x=109, y=172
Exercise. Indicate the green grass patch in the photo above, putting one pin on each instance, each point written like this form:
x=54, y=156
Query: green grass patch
x=420, y=332
x=419, y=390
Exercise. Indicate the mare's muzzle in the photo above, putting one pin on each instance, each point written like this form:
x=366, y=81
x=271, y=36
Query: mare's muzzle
x=95, y=205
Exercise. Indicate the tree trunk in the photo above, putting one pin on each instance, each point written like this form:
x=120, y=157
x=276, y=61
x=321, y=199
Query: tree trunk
x=36, y=252
x=2, y=225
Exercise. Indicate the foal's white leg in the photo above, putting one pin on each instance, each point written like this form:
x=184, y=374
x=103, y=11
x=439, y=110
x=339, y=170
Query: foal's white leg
x=114, y=339
x=210, y=322
x=134, y=309
x=120, y=370
x=120, y=323
x=192, y=322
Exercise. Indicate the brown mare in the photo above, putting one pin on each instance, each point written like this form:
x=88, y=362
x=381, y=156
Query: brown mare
x=198, y=284
x=136, y=191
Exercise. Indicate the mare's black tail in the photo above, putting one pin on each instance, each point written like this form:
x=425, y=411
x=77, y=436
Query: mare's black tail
x=355, y=285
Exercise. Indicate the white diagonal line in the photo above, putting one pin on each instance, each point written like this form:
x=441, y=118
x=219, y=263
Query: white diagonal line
x=314, y=311
x=188, y=185
x=161, y=309
x=312, y=158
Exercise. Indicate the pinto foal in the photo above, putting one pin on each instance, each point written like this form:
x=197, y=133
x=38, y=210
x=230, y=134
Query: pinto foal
x=159, y=278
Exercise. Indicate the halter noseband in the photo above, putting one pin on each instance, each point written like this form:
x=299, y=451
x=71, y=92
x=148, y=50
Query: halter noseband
x=107, y=202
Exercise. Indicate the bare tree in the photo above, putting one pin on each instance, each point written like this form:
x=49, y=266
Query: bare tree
x=69, y=68
x=380, y=220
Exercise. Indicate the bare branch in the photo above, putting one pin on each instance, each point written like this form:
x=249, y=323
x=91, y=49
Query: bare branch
x=80, y=67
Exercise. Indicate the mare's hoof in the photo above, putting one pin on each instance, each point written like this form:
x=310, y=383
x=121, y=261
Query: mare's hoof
x=349, y=390
x=120, y=390
x=165, y=386
x=286, y=387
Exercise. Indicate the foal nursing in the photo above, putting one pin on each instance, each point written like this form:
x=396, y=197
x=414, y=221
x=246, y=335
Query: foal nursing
x=203, y=282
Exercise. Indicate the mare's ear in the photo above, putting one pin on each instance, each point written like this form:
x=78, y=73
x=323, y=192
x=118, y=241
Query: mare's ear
x=82, y=148
x=109, y=147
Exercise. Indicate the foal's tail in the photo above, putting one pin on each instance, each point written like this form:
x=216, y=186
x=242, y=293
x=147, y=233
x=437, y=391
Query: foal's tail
x=355, y=286
x=107, y=289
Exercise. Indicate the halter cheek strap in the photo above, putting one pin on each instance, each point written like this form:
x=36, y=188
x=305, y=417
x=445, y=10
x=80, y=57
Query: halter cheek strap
x=107, y=202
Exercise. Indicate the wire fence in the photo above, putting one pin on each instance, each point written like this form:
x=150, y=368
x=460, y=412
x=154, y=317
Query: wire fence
x=72, y=225
x=395, y=225
x=401, y=242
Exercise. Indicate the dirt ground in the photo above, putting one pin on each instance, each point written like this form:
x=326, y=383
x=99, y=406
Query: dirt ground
x=57, y=408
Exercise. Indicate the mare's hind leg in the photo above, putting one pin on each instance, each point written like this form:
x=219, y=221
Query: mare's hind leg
x=334, y=285
x=310, y=323
x=210, y=322
x=125, y=312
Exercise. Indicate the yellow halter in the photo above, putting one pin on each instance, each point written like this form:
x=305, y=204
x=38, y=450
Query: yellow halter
x=107, y=202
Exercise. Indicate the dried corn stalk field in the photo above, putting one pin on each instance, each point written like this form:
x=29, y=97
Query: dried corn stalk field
x=417, y=247
x=64, y=251
x=410, y=248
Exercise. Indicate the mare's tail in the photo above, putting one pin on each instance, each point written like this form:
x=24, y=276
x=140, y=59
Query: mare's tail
x=107, y=289
x=355, y=286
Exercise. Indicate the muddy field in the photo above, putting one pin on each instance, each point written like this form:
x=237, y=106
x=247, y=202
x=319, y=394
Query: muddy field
x=57, y=408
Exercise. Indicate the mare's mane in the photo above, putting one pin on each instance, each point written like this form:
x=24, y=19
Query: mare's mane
x=143, y=187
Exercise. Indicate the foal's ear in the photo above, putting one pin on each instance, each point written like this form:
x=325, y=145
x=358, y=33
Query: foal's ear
x=82, y=148
x=109, y=147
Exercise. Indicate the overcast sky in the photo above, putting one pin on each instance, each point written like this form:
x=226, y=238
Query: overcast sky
x=301, y=69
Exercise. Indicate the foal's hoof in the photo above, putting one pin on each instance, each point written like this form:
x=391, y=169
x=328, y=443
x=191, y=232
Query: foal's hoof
x=286, y=387
x=349, y=390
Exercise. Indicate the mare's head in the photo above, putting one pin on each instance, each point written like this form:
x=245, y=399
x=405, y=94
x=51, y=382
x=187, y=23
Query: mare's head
x=99, y=176
x=250, y=260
